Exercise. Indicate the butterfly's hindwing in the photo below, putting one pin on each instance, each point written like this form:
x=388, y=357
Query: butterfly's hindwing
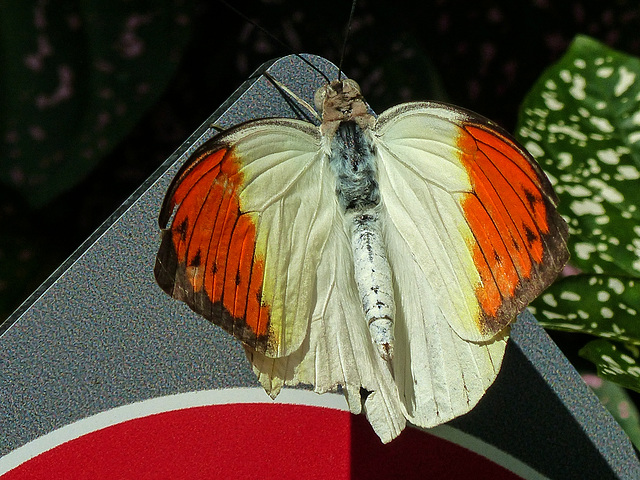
x=338, y=350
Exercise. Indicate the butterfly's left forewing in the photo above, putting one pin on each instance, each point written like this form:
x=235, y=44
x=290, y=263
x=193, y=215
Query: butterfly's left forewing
x=244, y=224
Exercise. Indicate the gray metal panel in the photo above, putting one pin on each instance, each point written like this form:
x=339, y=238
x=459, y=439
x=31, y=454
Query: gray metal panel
x=100, y=334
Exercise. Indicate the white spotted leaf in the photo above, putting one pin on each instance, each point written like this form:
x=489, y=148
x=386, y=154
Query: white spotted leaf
x=602, y=305
x=615, y=362
x=581, y=121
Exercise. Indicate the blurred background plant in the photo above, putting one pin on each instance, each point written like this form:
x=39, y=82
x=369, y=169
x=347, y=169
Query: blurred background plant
x=94, y=96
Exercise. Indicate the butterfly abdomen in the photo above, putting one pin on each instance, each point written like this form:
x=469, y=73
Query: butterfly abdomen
x=373, y=277
x=352, y=159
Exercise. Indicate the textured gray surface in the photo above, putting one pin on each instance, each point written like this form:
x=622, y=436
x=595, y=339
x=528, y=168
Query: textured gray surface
x=101, y=334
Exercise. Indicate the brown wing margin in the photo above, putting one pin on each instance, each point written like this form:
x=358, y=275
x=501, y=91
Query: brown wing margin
x=520, y=238
x=206, y=257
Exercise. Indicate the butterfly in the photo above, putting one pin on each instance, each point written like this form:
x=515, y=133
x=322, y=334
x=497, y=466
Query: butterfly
x=386, y=257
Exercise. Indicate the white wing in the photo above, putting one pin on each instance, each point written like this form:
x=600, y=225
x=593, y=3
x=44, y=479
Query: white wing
x=248, y=223
x=443, y=365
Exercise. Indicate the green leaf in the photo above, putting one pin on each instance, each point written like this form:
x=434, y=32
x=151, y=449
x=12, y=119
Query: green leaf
x=602, y=305
x=76, y=77
x=618, y=403
x=581, y=121
x=614, y=362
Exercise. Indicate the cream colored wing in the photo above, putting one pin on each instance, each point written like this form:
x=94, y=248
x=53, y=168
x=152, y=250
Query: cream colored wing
x=472, y=236
x=247, y=222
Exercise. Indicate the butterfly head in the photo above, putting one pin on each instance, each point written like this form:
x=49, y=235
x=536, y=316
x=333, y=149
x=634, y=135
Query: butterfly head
x=341, y=101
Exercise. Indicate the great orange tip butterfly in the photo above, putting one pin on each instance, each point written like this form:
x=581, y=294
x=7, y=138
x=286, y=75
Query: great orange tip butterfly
x=386, y=256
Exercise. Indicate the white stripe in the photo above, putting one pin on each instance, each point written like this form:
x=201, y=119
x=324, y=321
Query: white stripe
x=494, y=454
x=181, y=401
x=156, y=405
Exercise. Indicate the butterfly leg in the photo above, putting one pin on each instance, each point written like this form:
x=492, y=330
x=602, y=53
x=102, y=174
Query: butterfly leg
x=373, y=277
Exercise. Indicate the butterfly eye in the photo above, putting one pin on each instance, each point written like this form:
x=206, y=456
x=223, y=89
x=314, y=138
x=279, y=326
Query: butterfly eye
x=318, y=98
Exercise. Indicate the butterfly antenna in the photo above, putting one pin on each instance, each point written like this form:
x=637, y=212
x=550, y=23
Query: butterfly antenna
x=274, y=38
x=346, y=38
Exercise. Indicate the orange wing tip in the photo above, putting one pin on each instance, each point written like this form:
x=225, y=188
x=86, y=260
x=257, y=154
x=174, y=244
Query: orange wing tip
x=204, y=162
x=206, y=258
x=518, y=251
x=496, y=316
x=173, y=277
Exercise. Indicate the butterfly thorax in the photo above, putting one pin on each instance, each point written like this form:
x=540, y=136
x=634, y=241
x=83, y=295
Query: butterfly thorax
x=346, y=130
x=352, y=159
x=342, y=101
